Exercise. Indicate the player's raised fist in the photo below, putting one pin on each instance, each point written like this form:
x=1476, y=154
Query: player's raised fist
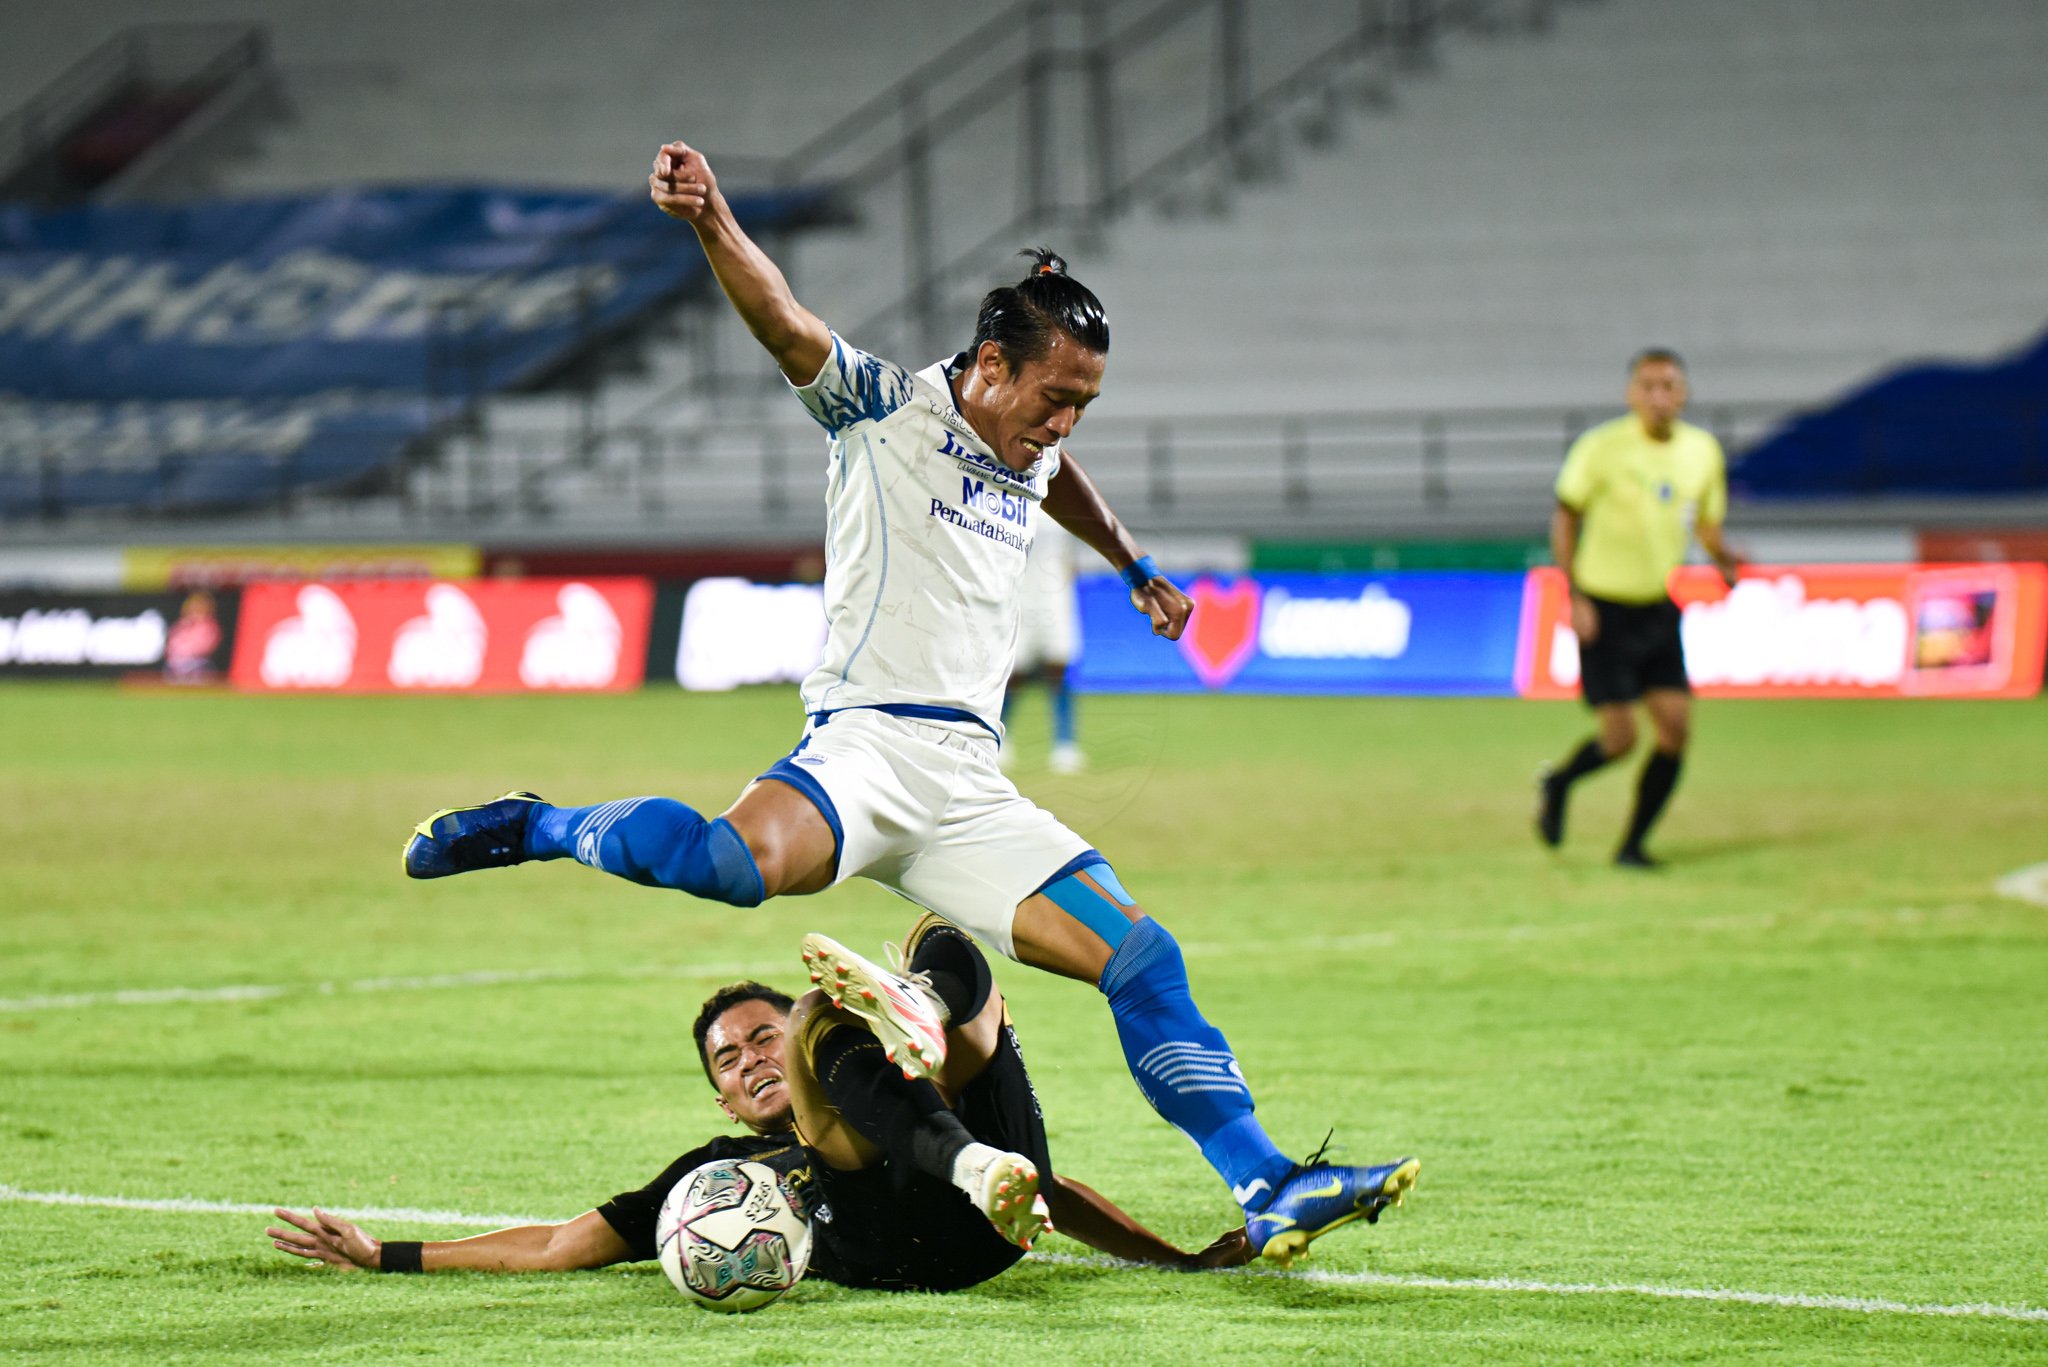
x=681, y=184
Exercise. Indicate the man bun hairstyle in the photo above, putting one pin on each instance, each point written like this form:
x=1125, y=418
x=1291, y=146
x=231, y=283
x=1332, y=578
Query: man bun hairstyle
x=724, y=1000
x=1021, y=319
x=1662, y=355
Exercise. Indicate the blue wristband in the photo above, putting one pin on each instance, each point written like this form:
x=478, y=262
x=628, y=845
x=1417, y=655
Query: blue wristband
x=1139, y=572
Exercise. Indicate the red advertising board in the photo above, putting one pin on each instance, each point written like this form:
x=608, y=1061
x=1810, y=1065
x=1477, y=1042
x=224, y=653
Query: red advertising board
x=1841, y=631
x=475, y=635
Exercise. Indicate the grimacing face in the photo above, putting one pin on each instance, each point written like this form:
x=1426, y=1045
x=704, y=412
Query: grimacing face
x=1021, y=411
x=744, y=1046
x=1656, y=394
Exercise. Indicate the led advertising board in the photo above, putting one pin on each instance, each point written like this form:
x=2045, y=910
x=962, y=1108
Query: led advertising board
x=1412, y=633
x=478, y=635
x=1844, y=631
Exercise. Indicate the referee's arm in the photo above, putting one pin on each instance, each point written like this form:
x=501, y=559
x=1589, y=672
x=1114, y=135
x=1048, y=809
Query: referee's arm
x=1725, y=560
x=1564, y=548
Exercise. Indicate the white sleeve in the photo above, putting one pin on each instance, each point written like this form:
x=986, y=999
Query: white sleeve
x=853, y=387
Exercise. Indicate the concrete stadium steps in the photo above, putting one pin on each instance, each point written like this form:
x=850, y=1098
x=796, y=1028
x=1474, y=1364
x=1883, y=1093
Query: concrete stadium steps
x=1794, y=196
x=388, y=91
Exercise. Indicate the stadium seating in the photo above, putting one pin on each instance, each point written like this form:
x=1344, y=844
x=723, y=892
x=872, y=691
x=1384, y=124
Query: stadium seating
x=1796, y=197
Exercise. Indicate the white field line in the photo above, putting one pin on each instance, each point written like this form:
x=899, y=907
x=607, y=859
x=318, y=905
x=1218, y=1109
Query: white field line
x=2029, y=884
x=242, y=992
x=1867, y=1305
x=2037, y=889
x=186, y=1205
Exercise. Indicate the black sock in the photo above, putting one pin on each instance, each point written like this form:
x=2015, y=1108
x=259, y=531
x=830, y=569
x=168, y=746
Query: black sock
x=958, y=972
x=1653, y=790
x=1584, y=761
x=907, y=1120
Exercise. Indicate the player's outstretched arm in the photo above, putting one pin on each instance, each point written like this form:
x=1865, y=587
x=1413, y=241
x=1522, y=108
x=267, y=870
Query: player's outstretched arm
x=584, y=1242
x=682, y=186
x=1081, y=1212
x=1073, y=501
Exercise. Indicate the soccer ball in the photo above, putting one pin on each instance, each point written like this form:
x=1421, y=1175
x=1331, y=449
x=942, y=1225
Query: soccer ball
x=732, y=1237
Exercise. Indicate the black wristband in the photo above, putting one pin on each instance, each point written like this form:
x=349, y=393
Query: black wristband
x=400, y=1255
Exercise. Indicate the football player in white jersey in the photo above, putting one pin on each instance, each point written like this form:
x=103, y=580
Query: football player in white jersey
x=936, y=483
x=1048, y=630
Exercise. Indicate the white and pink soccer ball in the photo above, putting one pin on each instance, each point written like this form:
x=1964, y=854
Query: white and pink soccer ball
x=732, y=1237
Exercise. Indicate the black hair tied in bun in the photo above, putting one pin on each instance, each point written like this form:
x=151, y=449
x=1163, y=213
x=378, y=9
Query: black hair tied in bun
x=1022, y=318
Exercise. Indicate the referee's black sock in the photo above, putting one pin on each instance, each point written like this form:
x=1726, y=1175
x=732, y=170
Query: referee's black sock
x=1653, y=790
x=1584, y=761
x=907, y=1120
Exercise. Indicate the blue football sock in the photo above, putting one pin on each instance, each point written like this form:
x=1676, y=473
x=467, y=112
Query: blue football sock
x=1181, y=1063
x=1062, y=714
x=655, y=841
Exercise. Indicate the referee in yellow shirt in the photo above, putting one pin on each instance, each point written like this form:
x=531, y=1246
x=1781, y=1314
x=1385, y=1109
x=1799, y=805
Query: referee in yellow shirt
x=1628, y=495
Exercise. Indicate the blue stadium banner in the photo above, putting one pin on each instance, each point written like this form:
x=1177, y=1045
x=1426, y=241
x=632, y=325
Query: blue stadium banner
x=435, y=291
x=187, y=454
x=1416, y=633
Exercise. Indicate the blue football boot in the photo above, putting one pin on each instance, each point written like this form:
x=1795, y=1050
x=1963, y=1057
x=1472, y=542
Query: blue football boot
x=490, y=835
x=1318, y=1197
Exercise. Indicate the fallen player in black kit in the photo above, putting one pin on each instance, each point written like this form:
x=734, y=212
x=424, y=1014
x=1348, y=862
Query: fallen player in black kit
x=898, y=1177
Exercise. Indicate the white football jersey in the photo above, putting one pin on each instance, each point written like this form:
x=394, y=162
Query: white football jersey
x=926, y=539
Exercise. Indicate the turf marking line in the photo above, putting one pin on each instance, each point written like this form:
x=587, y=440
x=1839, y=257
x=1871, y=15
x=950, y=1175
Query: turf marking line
x=2029, y=884
x=1867, y=1305
x=186, y=1205
x=245, y=992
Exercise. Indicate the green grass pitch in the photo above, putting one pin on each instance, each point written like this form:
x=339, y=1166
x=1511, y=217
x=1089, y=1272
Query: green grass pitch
x=1804, y=1059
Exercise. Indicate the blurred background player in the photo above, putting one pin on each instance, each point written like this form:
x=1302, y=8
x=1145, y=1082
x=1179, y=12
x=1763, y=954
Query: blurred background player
x=1630, y=493
x=1048, y=632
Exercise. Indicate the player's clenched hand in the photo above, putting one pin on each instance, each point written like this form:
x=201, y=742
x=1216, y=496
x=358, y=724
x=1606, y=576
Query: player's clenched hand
x=325, y=1238
x=1166, y=605
x=681, y=184
x=1232, y=1250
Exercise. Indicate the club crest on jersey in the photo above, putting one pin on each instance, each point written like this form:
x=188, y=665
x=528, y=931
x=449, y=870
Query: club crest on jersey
x=993, y=502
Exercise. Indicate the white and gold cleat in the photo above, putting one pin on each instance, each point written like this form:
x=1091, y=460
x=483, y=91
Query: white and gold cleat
x=1004, y=1186
x=906, y=1016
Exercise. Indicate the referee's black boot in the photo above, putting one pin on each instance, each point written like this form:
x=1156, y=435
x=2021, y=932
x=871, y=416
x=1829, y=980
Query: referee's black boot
x=1635, y=857
x=1552, y=788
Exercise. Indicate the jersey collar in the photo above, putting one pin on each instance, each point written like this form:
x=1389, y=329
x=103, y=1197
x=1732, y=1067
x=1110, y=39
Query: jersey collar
x=940, y=376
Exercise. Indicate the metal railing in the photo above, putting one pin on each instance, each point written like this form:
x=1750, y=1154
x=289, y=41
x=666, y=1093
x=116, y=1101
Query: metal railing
x=1155, y=89
x=1260, y=474
x=164, y=58
x=1061, y=116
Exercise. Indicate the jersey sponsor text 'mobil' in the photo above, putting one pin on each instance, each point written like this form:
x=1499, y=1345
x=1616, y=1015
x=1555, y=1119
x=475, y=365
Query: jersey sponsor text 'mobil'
x=927, y=537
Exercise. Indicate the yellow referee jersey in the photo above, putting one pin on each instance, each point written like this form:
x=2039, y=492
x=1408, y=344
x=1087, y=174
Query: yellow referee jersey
x=1640, y=499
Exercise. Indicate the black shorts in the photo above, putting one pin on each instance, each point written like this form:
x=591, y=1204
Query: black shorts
x=897, y=1231
x=1639, y=648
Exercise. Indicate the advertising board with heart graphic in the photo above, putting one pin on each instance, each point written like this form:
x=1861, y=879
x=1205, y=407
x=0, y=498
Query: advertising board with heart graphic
x=1223, y=634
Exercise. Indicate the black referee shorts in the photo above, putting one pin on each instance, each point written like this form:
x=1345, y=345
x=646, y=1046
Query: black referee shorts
x=1639, y=648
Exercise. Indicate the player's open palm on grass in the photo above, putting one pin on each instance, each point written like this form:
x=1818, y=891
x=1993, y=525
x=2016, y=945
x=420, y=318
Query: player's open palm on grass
x=326, y=1238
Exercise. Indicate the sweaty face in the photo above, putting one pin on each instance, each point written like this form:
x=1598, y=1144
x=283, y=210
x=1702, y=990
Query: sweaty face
x=1657, y=393
x=1020, y=412
x=745, y=1049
